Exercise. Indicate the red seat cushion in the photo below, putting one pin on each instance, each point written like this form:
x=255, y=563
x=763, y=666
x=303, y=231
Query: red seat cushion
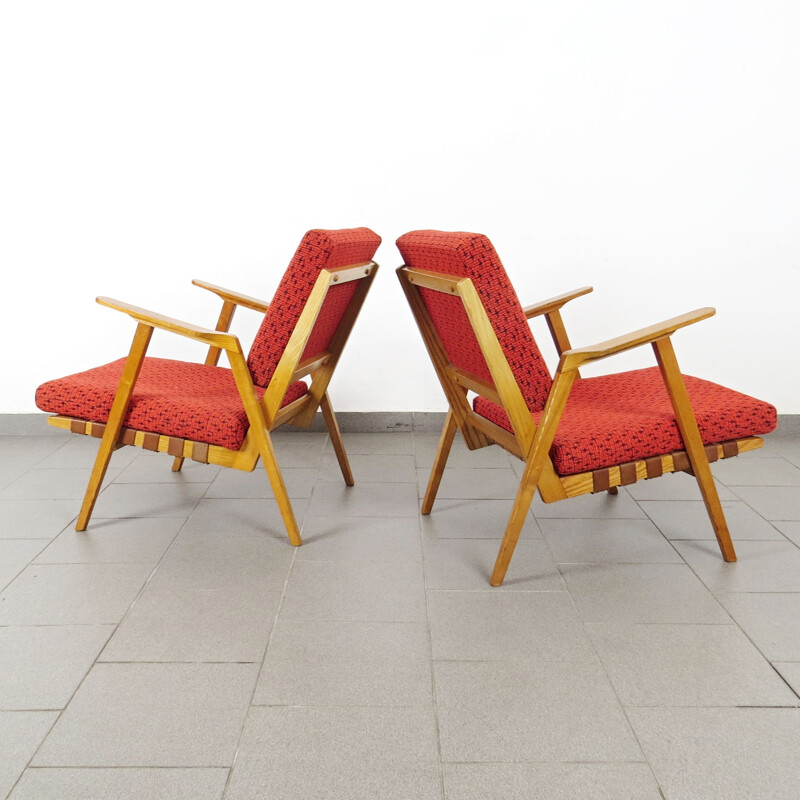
x=613, y=419
x=319, y=249
x=173, y=398
x=471, y=255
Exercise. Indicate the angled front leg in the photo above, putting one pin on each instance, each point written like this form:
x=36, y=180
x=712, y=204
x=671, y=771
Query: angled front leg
x=687, y=424
x=258, y=428
x=442, y=452
x=534, y=464
x=119, y=408
x=336, y=439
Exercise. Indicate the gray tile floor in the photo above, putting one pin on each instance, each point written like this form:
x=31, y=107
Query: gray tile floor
x=181, y=648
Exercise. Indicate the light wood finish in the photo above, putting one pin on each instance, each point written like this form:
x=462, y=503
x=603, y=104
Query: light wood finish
x=225, y=341
x=554, y=303
x=551, y=310
x=687, y=424
x=534, y=463
x=442, y=452
x=456, y=394
x=264, y=416
x=223, y=325
x=336, y=440
x=233, y=297
x=133, y=364
x=260, y=432
x=626, y=474
x=532, y=442
x=586, y=355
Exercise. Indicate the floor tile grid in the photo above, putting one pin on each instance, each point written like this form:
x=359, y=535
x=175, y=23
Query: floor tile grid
x=664, y=789
x=327, y=452
x=733, y=622
x=513, y=465
x=59, y=712
x=430, y=643
x=733, y=484
x=517, y=470
x=260, y=670
x=34, y=461
x=300, y=522
x=695, y=572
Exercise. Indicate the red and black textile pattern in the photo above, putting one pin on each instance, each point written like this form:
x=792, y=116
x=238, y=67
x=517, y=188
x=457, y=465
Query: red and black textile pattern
x=319, y=249
x=627, y=416
x=472, y=255
x=172, y=398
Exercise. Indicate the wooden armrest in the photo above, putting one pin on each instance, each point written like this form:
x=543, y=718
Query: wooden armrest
x=226, y=341
x=233, y=297
x=554, y=303
x=571, y=359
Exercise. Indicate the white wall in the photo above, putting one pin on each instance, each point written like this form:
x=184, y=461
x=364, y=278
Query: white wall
x=650, y=149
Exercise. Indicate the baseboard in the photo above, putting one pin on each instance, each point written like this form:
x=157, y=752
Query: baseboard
x=349, y=422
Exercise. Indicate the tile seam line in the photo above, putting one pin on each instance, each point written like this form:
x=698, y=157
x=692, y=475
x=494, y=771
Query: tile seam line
x=434, y=700
x=604, y=668
x=96, y=660
x=260, y=669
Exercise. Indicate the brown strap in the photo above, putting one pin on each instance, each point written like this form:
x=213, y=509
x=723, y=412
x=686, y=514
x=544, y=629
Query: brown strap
x=77, y=426
x=680, y=460
x=150, y=441
x=654, y=466
x=175, y=447
x=600, y=480
x=627, y=473
x=730, y=449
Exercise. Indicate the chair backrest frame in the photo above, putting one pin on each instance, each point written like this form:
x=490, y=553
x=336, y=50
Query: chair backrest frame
x=321, y=366
x=477, y=430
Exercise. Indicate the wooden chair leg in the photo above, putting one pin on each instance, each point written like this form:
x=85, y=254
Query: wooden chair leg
x=687, y=424
x=177, y=464
x=258, y=428
x=119, y=408
x=535, y=461
x=278, y=487
x=437, y=470
x=336, y=439
x=613, y=490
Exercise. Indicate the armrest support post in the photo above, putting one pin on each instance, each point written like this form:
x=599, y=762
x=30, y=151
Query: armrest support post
x=572, y=359
x=151, y=319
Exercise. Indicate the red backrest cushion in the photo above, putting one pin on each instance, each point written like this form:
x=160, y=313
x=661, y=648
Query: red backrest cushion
x=471, y=255
x=319, y=249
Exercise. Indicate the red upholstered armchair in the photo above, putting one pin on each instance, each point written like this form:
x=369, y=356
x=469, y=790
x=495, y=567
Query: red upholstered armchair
x=224, y=416
x=575, y=435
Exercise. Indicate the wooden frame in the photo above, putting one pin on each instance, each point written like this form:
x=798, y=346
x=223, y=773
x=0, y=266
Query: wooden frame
x=531, y=442
x=264, y=416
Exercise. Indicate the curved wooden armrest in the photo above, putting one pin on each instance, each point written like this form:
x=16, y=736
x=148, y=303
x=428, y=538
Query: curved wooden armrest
x=554, y=303
x=226, y=341
x=233, y=297
x=571, y=359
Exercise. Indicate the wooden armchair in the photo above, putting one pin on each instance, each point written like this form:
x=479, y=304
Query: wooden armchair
x=575, y=435
x=224, y=416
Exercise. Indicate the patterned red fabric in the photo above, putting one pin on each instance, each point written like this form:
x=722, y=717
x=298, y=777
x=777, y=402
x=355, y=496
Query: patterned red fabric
x=319, y=249
x=612, y=419
x=173, y=398
x=330, y=315
x=472, y=255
